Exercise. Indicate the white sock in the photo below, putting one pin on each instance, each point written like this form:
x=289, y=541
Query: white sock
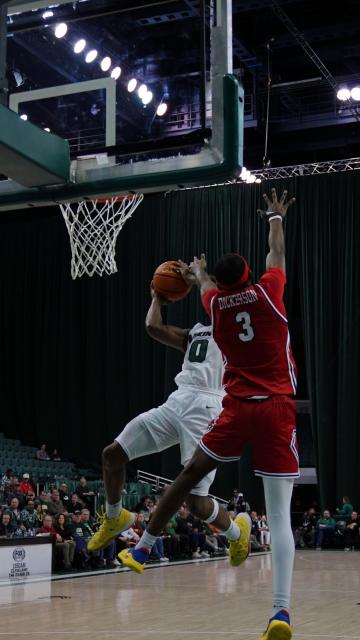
x=214, y=513
x=146, y=540
x=113, y=510
x=278, y=492
x=233, y=532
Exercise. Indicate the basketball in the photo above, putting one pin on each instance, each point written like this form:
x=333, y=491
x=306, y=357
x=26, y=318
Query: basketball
x=169, y=283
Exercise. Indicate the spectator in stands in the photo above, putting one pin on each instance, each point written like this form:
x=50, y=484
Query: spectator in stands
x=55, y=505
x=344, y=512
x=42, y=454
x=189, y=526
x=89, y=528
x=128, y=538
x=6, y=480
x=29, y=517
x=78, y=534
x=15, y=513
x=255, y=532
x=64, y=532
x=264, y=532
x=13, y=491
x=64, y=495
x=305, y=533
x=7, y=529
x=237, y=503
x=25, y=485
x=62, y=548
x=215, y=539
x=84, y=493
x=325, y=529
x=172, y=540
x=352, y=532
x=145, y=506
x=55, y=456
x=75, y=504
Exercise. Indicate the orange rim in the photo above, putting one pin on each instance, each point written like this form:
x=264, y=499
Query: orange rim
x=130, y=196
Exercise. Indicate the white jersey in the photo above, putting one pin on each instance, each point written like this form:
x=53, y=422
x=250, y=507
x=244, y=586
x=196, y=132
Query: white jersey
x=203, y=365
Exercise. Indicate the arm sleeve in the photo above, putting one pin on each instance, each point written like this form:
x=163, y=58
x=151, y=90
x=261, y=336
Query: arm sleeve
x=206, y=300
x=273, y=282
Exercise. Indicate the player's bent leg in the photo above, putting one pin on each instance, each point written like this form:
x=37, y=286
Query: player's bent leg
x=116, y=518
x=200, y=465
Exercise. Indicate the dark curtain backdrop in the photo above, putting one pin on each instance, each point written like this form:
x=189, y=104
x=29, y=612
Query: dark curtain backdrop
x=76, y=363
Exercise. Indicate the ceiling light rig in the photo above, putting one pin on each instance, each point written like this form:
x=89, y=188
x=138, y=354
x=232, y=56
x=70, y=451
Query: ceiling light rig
x=61, y=30
x=116, y=73
x=91, y=56
x=162, y=109
x=79, y=45
x=105, y=63
x=132, y=85
x=345, y=94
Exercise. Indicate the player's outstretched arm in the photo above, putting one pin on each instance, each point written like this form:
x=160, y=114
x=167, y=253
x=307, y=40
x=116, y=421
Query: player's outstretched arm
x=198, y=269
x=167, y=334
x=275, y=214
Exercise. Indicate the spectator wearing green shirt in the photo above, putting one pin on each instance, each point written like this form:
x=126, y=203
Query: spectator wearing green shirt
x=344, y=512
x=325, y=529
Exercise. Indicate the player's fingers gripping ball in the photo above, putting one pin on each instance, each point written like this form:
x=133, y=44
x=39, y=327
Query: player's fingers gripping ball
x=169, y=283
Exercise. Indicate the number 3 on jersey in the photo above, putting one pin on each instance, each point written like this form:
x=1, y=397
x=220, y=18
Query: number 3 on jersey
x=247, y=330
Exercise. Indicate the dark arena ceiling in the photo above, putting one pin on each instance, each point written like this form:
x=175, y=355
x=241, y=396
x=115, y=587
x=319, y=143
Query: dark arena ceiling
x=313, y=48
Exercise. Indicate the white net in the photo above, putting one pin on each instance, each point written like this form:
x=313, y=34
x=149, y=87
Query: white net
x=93, y=227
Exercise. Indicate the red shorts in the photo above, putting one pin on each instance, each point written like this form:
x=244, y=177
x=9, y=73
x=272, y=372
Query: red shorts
x=268, y=426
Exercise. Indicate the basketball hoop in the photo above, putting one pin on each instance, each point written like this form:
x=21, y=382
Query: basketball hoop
x=93, y=227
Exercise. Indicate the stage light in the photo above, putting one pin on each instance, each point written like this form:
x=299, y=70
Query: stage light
x=162, y=109
x=116, y=73
x=80, y=45
x=61, y=30
x=355, y=93
x=47, y=14
x=47, y=129
x=23, y=116
x=91, y=55
x=251, y=178
x=132, y=85
x=244, y=173
x=105, y=63
x=258, y=180
x=147, y=98
x=343, y=94
x=142, y=91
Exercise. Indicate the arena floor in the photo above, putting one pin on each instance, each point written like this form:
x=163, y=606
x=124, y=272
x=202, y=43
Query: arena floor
x=204, y=599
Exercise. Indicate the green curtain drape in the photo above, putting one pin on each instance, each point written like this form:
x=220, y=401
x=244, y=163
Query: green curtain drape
x=76, y=363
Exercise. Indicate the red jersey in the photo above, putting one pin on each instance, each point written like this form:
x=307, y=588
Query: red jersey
x=251, y=329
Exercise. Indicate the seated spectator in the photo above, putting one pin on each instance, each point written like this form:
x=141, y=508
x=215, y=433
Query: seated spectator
x=15, y=513
x=127, y=538
x=237, y=503
x=64, y=495
x=255, y=532
x=325, y=529
x=139, y=525
x=6, y=480
x=82, y=555
x=25, y=485
x=13, y=491
x=55, y=506
x=107, y=554
x=62, y=548
x=64, y=531
x=42, y=454
x=7, y=529
x=264, y=532
x=344, y=512
x=191, y=527
x=146, y=507
x=305, y=533
x=215, y=539
x=55, y=456
x=75, y=504
x=172, y=541
x=84, y=493
x=352, y=532
x=29, y=517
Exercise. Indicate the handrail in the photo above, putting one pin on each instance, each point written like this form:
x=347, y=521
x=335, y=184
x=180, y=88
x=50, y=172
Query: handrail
x=158, y=482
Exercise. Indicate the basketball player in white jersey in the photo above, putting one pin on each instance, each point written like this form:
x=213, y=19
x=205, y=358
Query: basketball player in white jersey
x=182, y=419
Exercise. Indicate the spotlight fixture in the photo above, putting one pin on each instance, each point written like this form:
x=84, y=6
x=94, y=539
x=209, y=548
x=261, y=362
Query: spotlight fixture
x=18, y=77
x=105, y=63
x=47, y=14
x=258, y=180
x=162, y=109
x=47, y=129
x=147, y=98
x=244, y=173
x=61, y=30
x=343, y=94
x=116, y=73
x=80, y=45
x=132, y=85
x=24, y=116
x=355, y=93
x=91, y=56
x=142, y=91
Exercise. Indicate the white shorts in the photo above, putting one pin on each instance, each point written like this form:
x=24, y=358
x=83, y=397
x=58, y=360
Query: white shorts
x=182, y=419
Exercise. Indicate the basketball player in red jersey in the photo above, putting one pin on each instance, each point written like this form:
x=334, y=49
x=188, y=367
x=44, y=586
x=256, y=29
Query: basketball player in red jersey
x=251, y=329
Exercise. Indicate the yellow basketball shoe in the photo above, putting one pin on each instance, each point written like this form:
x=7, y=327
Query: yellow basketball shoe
x=278, y=628
x=239, y=549
x=110, y=528
x=135, y=559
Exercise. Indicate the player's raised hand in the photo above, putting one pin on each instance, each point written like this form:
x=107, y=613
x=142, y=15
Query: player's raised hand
x=275, y=206
x=186, y=273
x=198, y=265
x=155, y=296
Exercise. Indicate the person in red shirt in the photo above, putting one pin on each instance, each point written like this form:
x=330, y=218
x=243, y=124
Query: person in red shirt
x=25, y=485
x=250, y=327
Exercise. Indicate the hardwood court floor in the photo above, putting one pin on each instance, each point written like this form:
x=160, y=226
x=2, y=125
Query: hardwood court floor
x=184, y=602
